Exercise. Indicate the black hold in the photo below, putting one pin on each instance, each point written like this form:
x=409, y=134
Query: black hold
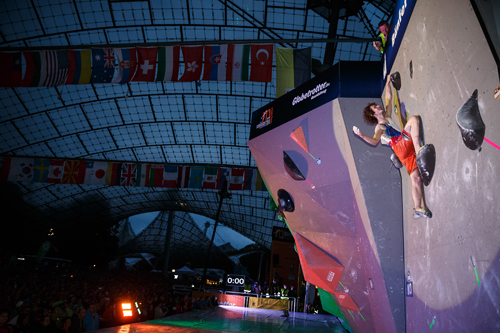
x=395, y=160
x=411, y=70
x=426, y=163
x=285, y=202
x=291, y=168
x=471, y=124
x=396, y=80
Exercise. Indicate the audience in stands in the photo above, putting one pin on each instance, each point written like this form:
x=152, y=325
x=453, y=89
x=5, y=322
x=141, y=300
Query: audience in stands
x=49, y=300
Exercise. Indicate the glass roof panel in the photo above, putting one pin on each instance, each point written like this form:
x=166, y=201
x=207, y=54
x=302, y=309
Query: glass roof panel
x=186, y=123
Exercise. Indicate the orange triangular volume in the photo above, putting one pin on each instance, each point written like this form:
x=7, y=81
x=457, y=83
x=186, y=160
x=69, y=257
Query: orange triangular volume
x=346, y=301
x=298, y=136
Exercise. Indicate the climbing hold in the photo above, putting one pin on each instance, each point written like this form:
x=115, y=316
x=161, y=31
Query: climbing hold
x=396, y=80
x=471, y=124
x=395, y=160
x=426, y=163
x=285, y=201
x=496, y=92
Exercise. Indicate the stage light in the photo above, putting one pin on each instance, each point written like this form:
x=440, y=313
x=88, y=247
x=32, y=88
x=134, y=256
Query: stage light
x=138, y=308
x=127, y=309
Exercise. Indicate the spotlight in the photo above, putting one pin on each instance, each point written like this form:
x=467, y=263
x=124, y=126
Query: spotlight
x=127, y=309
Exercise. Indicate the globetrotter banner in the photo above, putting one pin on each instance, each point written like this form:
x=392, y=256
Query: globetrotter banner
x=57, y=171
x=228, y=62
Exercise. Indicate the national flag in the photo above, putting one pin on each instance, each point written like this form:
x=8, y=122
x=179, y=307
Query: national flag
x=79, y=67
x=142, y=176
x=215, y=63
x=193, y=57
x=183, y=178
x=74, y=172
x=237, y=62
x=222, y=175
x=155, y=173
x=129, y=174
x=113, y=175
x=238, y=179
x=99, y=173
x=11, y=73
x=57, y=68
x=36, y=69
x=196, y=177
x=56, y=169
x=168, y=63
x=261, y=60
x=4, y=168
x=127, y=65
x=170, y=176
x=89, y=169
x=210, y=178
x=255, y=182
x=41, y=170
x=293, y=67
x=103, y=68
x=20, y=169
x=146, y=68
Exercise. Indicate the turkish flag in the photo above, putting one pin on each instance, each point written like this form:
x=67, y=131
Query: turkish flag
x=193, y=58
x=146, y=68
x=261, y=62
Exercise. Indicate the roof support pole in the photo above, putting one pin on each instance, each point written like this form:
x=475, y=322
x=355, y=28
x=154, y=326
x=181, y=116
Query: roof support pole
x=223, y=193
x=168, y=237
x=332, y=33
x=260, y=265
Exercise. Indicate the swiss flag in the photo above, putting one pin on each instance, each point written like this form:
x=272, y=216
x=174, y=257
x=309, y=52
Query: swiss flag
x=261, y=61
x=56, y=169
x=146, y=68
x=193, y=58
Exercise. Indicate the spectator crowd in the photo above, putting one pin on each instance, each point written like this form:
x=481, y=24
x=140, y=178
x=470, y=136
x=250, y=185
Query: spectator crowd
x=51, y=301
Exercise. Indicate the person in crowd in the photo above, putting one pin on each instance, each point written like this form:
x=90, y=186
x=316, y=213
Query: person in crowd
x=58, y=316
x=45, y=326
x=197, y=305
x=78, y=321
x=4, y=318
x=381, y=41
x=158, y=311
x=23, y=324
x=66, y=325
x=92, y=318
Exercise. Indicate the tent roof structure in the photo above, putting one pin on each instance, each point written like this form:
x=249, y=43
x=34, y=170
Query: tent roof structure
x=185, y=123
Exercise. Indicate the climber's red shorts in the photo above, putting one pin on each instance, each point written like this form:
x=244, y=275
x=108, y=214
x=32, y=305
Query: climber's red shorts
x=403, y=148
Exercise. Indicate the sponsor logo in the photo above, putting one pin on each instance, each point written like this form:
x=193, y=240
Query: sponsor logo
x=266, y=118
x=312, y=94
x=330, y=276
x=401, y=12
x=237, y=64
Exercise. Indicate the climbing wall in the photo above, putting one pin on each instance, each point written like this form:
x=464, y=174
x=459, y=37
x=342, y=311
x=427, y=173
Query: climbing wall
x=450, y=58
x=340, y=197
